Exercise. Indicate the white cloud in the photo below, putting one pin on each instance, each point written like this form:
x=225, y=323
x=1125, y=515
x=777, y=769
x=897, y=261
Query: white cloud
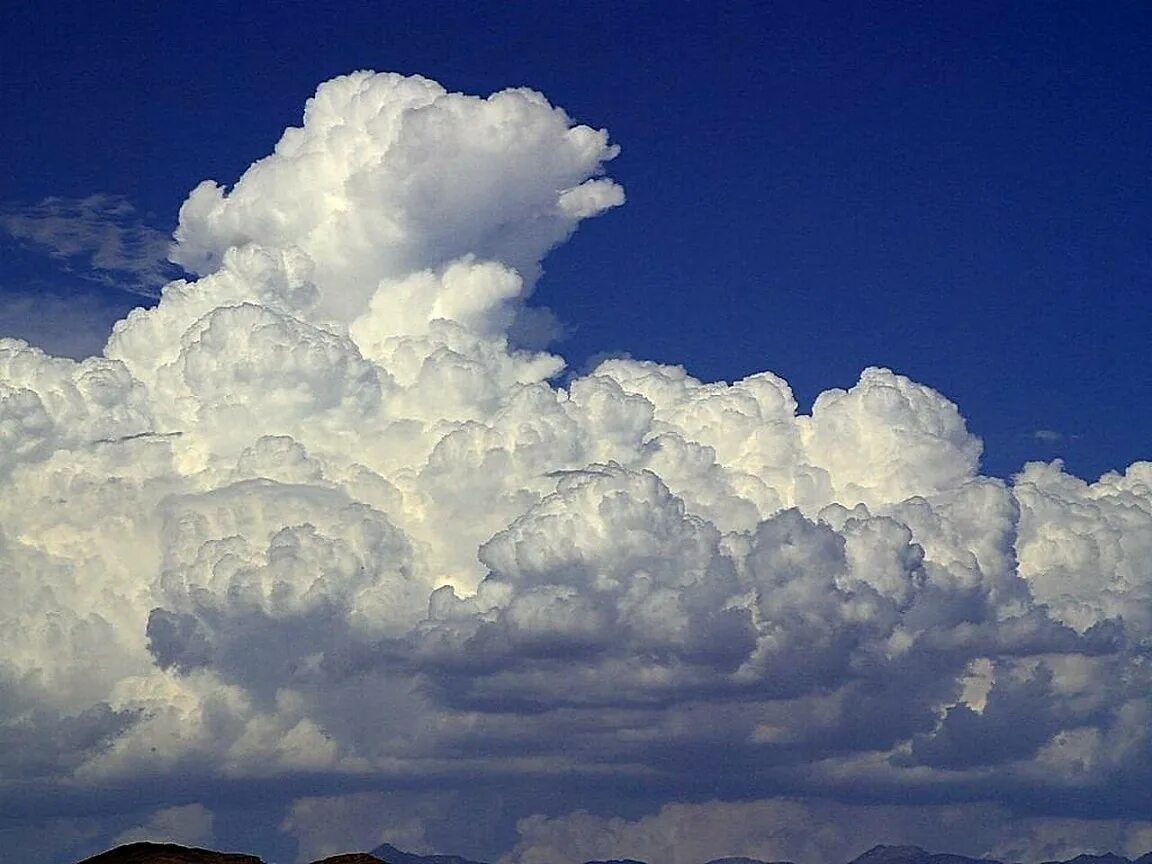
x=390, y=175
x=317, y=515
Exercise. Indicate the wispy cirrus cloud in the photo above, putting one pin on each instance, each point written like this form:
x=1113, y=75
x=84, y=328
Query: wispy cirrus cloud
x=102, y=238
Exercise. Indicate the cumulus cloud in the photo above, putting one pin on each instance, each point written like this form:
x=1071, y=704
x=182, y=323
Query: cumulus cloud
x=321, y=513
x=389, y=175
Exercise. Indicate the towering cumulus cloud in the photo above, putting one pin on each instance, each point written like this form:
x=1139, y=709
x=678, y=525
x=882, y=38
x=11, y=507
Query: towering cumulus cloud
x=321, y=518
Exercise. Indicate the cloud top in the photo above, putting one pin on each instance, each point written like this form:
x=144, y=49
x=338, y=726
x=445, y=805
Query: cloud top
x=390, y=175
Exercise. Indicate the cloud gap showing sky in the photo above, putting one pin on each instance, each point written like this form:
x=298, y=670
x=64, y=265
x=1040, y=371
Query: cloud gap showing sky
x=330, y=523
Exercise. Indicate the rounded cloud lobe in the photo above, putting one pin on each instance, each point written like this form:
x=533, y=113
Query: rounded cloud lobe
x=318, y=512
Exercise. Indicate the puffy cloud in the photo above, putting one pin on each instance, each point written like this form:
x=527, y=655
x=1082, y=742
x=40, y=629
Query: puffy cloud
x=1084, y=547
x=888, y=439
x=319, y=518
x=390, y=175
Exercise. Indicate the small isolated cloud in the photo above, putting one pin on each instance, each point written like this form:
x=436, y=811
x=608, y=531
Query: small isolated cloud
x=189, y=825
x=1049, y=435
x=102, y=238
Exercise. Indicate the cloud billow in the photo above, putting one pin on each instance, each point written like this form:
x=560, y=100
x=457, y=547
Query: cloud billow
x=318, y=514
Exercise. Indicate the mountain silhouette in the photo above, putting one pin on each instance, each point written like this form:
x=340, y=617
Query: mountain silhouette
x=170, y=853
x=167, y=853
x=389, y=854
x=916, y=855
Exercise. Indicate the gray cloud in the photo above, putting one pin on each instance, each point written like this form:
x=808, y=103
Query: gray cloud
x=101, y=237
x=786, y=829
x=189, y=825
x=63, y=323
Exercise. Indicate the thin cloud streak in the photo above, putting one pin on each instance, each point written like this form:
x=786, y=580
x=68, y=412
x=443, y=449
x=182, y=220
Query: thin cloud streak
x=101, y=238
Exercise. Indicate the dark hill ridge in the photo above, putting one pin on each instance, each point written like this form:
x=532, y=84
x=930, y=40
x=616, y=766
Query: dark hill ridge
x=389, y=854
x=1106, y=858
x=170, y=853
x=916, y=855
x=167, y=853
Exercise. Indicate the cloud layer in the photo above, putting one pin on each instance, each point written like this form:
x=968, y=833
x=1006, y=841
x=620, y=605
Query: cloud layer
x=324, y=513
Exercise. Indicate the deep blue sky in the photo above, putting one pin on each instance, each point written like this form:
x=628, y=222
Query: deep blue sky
x=957, y=191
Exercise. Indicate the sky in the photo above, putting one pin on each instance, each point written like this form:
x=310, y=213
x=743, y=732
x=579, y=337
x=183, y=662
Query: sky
x=575, y=431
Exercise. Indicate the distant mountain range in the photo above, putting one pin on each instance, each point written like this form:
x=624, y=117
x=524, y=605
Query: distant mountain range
x=391, y=855
x=916, y=855
x=168, y=853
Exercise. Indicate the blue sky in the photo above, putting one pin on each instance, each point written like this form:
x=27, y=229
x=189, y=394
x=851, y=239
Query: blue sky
x=314, y=557
x=957, y=192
